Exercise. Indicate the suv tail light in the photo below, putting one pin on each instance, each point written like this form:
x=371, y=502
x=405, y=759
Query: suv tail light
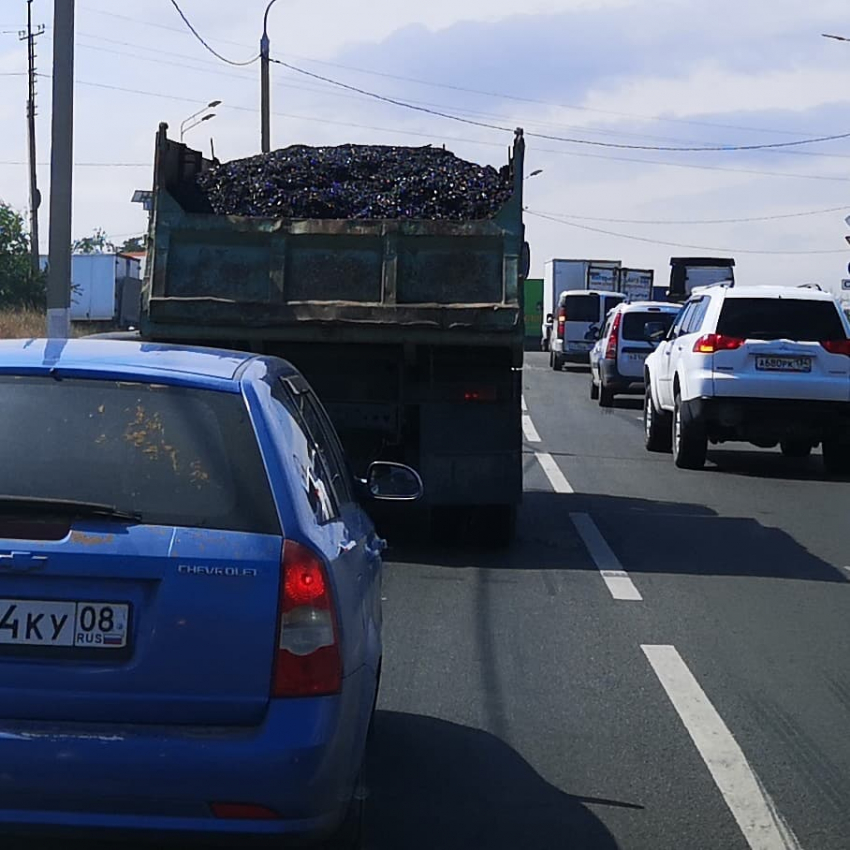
x=837, y=346
x=307, y=656
x=562, y=320
x=614, y=338
x=710, y=343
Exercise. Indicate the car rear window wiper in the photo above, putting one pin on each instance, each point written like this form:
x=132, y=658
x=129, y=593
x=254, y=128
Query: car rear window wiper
x=66, y=506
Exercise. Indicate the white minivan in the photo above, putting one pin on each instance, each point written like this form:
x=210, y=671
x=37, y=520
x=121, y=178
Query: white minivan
x=629, y=336
x=576, y=324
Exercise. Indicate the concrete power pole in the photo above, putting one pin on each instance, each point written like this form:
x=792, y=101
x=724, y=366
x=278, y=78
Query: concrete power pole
x=61, y=171
x=265, y=106
x=35, y=196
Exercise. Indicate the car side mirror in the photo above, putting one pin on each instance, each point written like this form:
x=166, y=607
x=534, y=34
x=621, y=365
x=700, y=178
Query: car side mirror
x=392, y=482
x=549, y=318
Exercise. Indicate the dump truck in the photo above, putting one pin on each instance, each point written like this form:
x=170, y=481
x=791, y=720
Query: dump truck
x=410, y=330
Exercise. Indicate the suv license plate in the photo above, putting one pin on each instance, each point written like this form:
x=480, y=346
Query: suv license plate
x=783, y=364
x=52, y=624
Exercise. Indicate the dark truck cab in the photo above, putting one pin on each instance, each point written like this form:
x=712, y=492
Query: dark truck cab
x=411, y=331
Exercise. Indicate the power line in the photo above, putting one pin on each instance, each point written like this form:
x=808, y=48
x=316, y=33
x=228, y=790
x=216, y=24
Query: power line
x=396, y=130
x=679, y=244
x=574, y=141
x=480, y=92
x=205, y=44
x=695, y=220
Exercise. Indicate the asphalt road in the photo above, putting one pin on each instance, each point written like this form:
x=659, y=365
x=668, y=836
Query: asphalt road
x=694, y=696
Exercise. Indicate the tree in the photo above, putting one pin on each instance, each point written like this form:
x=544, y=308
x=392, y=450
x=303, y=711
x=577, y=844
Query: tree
x=19, y=287
x=133, y=245
x=97, y=243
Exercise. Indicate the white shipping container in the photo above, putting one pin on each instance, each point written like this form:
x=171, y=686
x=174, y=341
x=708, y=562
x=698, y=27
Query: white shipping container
x=561, y=275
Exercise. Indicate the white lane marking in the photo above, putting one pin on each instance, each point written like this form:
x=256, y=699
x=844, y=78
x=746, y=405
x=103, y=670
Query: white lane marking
x=529, y=430
x=553, y=472
x=615, y=577
x=524, y=405
x=751, y=806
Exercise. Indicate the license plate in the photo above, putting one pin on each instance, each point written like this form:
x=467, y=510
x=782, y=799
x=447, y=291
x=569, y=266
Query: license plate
x=83, y=625
x=767, y=363
x=637, y=358
x=581, y=346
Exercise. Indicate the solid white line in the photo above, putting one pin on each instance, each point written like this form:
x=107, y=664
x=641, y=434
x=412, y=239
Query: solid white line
x=529, y=430
x=553, y=473
x=524, y=405
x=756, y=814
x=615, y=577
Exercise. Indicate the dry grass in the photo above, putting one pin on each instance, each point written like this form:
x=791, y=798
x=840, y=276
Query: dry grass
x=22, y=324
x=30, y=324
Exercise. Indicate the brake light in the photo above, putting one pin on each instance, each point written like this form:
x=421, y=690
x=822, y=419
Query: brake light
x=562, y=320
x=242, y=811
x=710, y=343
x=837, y=346
x=614, y=338
x=307, y=656
x=480, y=394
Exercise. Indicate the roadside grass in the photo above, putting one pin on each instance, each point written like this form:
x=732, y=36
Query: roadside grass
x=22, y=324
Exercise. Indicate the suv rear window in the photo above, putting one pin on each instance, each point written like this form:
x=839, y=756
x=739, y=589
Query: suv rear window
x=633, y=323
x=780, y=318
x=176, y=455
x=582, y=308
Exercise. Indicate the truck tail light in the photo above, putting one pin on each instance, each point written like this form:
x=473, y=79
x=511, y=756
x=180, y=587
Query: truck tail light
x=710, y=343
x=307, y=654
x=562, y=321
x=837, y=346
x=614, y=338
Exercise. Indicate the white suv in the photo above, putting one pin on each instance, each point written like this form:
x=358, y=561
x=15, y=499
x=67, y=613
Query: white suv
x=763, y=365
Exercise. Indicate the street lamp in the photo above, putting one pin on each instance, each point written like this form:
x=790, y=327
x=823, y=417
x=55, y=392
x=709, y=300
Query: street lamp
x=534, y=173
x=211, y=105
x=196, y=123
x=265, y=132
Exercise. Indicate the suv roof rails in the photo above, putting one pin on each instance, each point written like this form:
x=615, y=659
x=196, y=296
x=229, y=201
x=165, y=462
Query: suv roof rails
x=810, y=286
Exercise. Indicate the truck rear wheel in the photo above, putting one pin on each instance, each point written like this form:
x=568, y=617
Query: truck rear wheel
x=556, y=361
x=796, y=448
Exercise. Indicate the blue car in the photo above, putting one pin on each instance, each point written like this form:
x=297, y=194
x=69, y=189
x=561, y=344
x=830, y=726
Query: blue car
x=190, y=602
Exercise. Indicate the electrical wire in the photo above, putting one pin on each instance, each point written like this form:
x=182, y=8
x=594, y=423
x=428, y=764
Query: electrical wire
x=574, y=141
x=205, y=44
x=696, y=220
x=680, y=244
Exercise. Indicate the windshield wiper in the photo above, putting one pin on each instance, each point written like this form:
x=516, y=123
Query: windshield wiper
x=67, y=506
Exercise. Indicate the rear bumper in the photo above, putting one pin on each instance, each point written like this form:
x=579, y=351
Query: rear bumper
x=769, y=421
x=613, y=378
x=301, y=763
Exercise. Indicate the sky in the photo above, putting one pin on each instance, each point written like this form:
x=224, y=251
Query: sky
x=603, y=79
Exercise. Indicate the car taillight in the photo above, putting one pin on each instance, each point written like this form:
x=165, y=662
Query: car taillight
x=837, y=346
x=307, y=656
x=710, y=343
x=613, y=339
x=562, y=320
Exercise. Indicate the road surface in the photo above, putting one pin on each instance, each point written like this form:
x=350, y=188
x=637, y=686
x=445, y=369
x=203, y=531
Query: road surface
x=661, y=661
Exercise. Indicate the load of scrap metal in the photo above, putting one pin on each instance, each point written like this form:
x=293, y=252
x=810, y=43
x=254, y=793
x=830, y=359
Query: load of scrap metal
x=356, y=182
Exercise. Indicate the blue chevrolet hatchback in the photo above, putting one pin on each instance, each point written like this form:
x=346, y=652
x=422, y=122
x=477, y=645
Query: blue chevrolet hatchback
x=190, y=603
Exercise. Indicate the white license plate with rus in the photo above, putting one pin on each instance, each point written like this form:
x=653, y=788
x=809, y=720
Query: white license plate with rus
x=767, y=363
x=638, y=358
x=81, y=625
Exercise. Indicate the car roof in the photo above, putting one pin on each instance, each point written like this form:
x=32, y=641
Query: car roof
x=591, y=292
x=648, y=305
x=803, y=293
x=174, y=364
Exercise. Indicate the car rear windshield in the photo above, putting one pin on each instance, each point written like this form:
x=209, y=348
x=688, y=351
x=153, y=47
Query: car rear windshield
x=780, y=318
x=633, y=323
x=175, y=455
x=582, y=308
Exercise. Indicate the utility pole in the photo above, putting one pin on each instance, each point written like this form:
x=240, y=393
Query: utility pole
x=265, y=107
x=35, y=196
x=61, y=171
